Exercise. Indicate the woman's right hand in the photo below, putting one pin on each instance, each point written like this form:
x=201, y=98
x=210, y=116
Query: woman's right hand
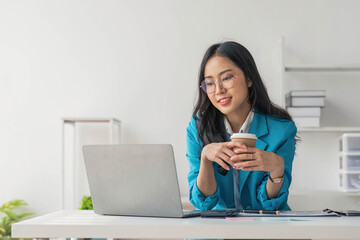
x=221, y=153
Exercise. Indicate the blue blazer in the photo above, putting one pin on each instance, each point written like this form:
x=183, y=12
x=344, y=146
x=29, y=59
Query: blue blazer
x=274, y=135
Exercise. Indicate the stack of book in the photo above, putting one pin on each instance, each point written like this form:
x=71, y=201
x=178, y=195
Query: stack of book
x=304, y=106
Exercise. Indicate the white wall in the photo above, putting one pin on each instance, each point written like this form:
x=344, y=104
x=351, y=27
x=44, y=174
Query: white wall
x=138, y=61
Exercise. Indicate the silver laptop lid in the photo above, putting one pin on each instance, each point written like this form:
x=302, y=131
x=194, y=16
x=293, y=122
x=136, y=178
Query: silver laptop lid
x=133, y=179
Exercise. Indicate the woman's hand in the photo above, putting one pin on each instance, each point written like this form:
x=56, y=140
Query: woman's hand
x=221, y=153
x=254, y=159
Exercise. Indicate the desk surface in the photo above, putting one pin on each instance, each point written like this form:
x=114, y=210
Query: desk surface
x=86, y=224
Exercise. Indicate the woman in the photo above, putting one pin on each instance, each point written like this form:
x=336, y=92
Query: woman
x=233, y=98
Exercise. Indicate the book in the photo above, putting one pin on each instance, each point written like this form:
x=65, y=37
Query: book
x=304, y=111
x=307, y=121
x=306, y=93
x=304, y=101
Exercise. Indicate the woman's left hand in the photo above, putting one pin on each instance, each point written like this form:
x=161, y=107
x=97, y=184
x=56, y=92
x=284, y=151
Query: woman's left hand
x=254, y=159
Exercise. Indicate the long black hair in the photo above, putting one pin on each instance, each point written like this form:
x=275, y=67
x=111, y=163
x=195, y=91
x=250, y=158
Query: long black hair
x=210, y=121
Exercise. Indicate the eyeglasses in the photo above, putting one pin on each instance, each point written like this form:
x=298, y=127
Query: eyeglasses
x=209, y=86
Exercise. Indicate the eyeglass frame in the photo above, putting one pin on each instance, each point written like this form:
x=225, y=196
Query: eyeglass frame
x=220, y=83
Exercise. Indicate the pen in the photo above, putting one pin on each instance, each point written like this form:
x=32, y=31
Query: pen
x=269, y=212
x=262, y=212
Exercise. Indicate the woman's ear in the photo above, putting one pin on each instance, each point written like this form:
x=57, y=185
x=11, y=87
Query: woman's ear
x=249, y=83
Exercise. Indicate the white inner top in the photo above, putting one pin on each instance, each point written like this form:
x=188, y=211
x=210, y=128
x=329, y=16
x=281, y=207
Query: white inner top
x=244, y=128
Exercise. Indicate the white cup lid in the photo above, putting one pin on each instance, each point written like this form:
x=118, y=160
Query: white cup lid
x=244, y=135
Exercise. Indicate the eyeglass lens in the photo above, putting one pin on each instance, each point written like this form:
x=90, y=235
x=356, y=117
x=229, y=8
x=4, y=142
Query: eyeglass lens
x=209, y=86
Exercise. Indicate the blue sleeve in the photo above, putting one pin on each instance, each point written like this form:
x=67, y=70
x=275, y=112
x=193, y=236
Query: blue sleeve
x=193, y=153
x=286, y=150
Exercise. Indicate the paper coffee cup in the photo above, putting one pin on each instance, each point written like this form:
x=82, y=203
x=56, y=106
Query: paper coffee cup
x=247, y=138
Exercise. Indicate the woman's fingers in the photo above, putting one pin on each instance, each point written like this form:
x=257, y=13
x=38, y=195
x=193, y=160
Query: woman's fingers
x=222, y=153
x=245, y=150
x=233, y=144
x=245, y=159
x=242, y=157
x=228, y=152
x=246, y=165
x=250, y=168
x=225, y=158
x=221, y=163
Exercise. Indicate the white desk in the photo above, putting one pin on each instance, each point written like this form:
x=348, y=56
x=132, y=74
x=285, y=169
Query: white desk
x=86, y=224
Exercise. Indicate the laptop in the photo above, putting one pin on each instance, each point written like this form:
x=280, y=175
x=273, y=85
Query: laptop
x=134, y=180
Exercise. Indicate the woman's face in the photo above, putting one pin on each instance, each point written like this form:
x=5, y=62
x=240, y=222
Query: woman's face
x=234, y=99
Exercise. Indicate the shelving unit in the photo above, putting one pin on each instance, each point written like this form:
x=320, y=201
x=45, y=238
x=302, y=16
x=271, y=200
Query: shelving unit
x=284, y=68
x=286, y=71
x=349, y=157
x=345, y=178
x=71, y=166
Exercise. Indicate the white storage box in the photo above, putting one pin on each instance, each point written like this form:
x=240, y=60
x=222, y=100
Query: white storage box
x=350, y=142
x=350, y=161
x=350, y=181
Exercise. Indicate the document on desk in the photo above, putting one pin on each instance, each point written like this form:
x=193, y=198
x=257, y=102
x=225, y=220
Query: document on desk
x=305, y=214
x=261, y=213
x=290, y=214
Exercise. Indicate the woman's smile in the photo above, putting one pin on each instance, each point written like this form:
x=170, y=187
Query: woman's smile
x=224, y=101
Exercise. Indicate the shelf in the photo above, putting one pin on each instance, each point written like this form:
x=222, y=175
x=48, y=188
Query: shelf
x=330, y=193
x=88, y=120
x=306, y=68
x=329, y=129
x=321, y=69
x=349, y=172
x=349, y=153
x=350, y=192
